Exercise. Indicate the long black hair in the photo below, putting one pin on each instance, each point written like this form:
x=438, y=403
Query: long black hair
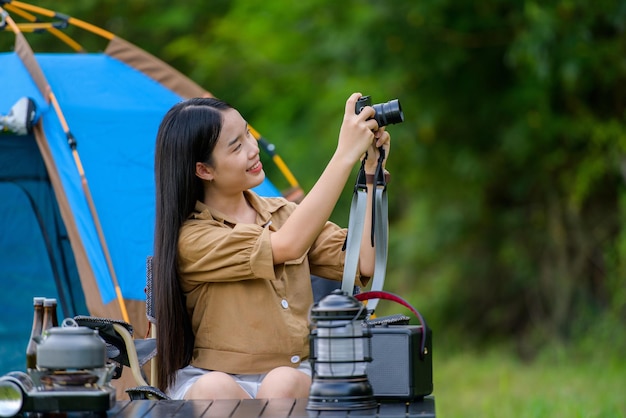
x=187, y=134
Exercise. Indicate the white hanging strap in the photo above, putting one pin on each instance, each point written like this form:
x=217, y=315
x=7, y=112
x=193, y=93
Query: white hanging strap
x=379, y=231
x=355, y=232
x=381, y=242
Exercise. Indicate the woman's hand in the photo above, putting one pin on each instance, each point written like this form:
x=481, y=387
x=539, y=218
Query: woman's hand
x=382, y=140
x=357, y=132
x=361, y=130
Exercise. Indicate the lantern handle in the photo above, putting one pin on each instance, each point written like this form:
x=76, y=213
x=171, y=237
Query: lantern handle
x=381, y=294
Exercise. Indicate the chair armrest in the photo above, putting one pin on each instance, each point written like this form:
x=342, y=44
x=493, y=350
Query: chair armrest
x=146, y=392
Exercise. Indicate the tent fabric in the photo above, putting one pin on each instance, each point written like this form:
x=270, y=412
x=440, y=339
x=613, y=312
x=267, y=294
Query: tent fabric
x=49, y=241
x=34, y=246
x=154, y=68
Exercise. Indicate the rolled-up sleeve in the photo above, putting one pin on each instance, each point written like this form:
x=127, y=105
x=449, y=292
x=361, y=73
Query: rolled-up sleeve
x=326, y=256
x=209, y=251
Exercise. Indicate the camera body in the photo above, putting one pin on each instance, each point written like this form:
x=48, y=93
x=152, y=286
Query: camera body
x=386, y=113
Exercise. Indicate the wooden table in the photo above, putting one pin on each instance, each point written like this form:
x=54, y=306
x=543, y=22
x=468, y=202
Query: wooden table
x=263, y=408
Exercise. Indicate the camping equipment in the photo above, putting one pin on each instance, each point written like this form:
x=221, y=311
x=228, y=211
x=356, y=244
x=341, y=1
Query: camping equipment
x=70, y=347
x=20, y=118
x=340, y=349
x=402, y=361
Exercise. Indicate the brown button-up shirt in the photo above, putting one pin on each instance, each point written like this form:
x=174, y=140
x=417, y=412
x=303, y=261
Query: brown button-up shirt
x=249, y=315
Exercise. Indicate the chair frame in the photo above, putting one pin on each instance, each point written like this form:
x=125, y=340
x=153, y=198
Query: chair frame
x=128, y=348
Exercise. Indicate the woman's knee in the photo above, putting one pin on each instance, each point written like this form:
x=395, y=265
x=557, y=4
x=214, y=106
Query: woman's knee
x=216, y=385
x=285, y=382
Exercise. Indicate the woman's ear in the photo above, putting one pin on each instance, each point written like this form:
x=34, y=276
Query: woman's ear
x=204, y=171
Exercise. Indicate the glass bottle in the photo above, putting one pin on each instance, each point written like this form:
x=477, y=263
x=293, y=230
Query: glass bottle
x=49, y=314
x=31, y=348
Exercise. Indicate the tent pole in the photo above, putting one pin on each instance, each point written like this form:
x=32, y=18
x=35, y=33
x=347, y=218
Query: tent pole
x=92, y=208
x=36, y=25
x=71, y=20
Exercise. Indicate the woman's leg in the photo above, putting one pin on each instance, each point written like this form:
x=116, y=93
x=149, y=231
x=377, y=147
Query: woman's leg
x=216, y=385
x=285, y=382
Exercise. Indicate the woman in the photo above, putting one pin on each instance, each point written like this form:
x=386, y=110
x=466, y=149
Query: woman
x=231, y=269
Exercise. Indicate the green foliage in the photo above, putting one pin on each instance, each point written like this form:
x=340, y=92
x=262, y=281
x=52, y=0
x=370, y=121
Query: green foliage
x=491, y=383
x=522, y=179
x=574, y=380
x=507, y=201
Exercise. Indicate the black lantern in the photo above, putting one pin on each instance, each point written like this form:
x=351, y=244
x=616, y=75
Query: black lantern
x=340, y=349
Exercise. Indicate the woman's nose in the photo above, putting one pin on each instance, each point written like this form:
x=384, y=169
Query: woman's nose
x=253, y=146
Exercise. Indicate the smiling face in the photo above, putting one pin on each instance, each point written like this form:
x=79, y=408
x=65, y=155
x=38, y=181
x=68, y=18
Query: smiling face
x=236, y=162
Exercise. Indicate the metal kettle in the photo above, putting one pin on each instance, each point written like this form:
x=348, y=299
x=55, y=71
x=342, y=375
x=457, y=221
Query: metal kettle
x=70, y=347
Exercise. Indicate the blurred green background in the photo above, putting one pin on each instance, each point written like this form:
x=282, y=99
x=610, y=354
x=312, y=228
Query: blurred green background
x=507, y=204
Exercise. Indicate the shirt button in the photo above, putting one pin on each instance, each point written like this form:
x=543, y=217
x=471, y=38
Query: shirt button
x=295, y=359
x=284, y=303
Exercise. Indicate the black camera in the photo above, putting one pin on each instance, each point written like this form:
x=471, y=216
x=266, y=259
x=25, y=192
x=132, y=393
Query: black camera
x=386, y=113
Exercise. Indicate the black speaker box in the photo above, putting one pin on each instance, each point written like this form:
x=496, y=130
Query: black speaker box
x=397, y=370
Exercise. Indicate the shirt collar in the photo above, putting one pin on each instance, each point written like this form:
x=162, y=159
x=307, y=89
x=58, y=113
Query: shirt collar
x=264, y=207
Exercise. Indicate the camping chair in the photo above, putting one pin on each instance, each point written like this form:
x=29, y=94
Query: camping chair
x=124, y=350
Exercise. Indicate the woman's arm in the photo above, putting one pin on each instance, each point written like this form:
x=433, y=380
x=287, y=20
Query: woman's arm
x=299, y=231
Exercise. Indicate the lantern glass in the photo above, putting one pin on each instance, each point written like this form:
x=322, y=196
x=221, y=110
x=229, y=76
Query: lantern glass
x=339, y=349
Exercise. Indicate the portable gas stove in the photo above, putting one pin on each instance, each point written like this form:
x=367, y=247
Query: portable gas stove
x=75, y=390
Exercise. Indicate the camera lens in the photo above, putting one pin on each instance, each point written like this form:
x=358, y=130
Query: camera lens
x=388, y=113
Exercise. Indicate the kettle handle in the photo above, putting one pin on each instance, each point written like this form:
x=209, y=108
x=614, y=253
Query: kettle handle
x=69, y=322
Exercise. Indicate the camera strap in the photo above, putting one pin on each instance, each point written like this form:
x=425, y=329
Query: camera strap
x=379, y=230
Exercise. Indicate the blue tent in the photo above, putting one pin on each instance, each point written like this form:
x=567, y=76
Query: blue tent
x=77, y=218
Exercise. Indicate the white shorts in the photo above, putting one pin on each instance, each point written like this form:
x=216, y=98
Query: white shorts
x=187, y=376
